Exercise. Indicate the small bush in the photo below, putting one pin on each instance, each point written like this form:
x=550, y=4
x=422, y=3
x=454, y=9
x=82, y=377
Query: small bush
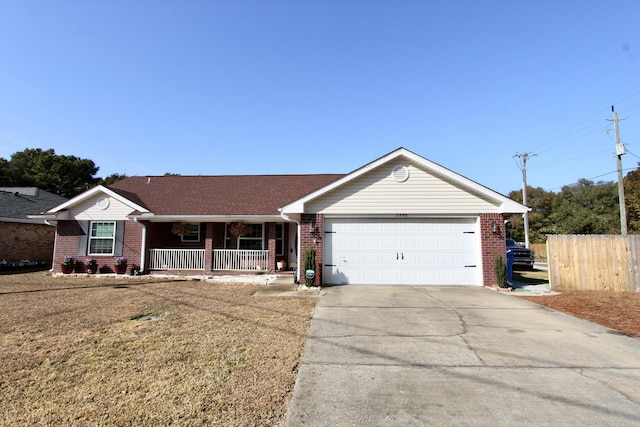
x=309, y=264
x=501, y=271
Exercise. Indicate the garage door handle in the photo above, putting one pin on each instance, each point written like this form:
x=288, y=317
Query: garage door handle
x=396, y=255
x=402, y=255
x=473, y=265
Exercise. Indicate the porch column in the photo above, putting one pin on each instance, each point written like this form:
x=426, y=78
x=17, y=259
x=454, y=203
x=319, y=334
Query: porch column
x=271, y=244
x=208, y=248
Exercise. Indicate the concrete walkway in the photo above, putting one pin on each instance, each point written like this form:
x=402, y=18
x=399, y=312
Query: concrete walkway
x=406, y=356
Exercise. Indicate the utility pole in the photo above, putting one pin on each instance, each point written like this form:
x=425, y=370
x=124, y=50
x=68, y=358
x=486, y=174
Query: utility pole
x=620, y=151
x=524, y=157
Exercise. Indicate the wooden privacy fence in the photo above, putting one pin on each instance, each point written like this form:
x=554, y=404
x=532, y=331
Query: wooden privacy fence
x=540, y=251
x=594, y=262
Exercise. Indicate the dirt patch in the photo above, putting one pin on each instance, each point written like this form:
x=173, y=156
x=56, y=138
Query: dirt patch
x=74, y=352
x=615, y=310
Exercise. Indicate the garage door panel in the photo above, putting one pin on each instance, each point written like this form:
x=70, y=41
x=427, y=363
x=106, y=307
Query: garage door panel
x=406, y=251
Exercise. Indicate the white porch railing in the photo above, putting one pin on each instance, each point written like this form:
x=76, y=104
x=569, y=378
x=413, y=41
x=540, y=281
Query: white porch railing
x=234, y=259
x=176, y=259
x=193, y=259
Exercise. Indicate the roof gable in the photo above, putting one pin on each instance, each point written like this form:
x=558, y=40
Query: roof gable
x=465, y=188
x=91, y=193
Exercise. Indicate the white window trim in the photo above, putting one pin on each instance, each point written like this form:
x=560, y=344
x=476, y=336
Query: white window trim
x=113, y=238
x=253, y=239
x=197, y=240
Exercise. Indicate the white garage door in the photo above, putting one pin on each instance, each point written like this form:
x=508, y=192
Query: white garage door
x=401, y=252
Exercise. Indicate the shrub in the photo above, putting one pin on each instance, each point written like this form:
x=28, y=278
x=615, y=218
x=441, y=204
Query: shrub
x=309, y=257
x=501, y=271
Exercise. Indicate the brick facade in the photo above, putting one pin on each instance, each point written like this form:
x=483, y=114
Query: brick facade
x=67, y=233
x=492, y=245
x=26, y=241
x=311, y=233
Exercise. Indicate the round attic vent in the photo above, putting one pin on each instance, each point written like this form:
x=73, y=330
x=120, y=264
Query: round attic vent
x=400, y=173
x=103, y=203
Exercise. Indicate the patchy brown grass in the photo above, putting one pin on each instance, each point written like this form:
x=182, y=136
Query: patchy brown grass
x=214, y=355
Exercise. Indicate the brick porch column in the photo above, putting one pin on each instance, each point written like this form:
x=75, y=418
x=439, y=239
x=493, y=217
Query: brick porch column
x=208, y=248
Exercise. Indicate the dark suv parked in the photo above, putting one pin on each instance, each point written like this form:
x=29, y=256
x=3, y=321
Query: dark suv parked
x=523, y=257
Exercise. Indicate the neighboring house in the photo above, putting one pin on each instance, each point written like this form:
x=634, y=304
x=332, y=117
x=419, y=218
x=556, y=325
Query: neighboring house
x=21, y=237
x=400, y=219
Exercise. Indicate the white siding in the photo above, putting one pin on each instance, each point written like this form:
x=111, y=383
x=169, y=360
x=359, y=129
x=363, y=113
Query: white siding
x=90, y=210
x=377, y=192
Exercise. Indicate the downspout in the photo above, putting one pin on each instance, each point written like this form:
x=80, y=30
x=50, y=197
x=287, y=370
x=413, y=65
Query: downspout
x=55, y=242
x=288, y=218
x=143, y=252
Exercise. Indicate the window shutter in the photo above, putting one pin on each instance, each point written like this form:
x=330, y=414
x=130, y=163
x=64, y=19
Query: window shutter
x=83, y=238
x=117, y=250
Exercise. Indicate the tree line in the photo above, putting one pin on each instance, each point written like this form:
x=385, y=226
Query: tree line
x=585, y=207
x=66, y=176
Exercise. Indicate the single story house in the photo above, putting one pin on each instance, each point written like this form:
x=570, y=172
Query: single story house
x=400, y=219
x=22, y=238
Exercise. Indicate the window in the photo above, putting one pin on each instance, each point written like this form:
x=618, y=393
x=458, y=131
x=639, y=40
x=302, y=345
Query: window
x=194, y=233
x=250, y=241
x=279, y=239
x=253, y=240
x=102, y=238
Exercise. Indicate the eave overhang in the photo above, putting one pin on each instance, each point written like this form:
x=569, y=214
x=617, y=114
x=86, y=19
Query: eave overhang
x=205, y=218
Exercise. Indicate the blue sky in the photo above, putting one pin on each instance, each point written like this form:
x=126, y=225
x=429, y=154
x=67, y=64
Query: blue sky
x=262, y=87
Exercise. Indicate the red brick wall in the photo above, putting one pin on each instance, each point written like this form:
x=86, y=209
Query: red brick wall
x=132, y=247
x=492, y=244
x=208, y=247
x=218, y=235
x=26, y=241
x=67, y=233
x=311, y=233
x=271, y=231
x=66, y=242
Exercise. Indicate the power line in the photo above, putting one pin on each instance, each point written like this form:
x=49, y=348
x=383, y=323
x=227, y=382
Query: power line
x=572, y=130
x=568, y=160
x=590, y=178
x=633, y=154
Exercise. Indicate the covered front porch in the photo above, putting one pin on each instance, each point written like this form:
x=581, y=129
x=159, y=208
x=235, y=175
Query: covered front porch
x=217, y=246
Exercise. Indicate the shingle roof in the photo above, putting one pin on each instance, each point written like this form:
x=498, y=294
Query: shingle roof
x=18, y=202
x=219, y=195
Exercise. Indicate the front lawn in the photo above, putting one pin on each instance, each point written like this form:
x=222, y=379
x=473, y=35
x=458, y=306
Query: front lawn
x=143, y=351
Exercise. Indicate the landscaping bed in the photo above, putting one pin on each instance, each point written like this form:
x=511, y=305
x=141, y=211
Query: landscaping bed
x=613, y=309
x=146, y=351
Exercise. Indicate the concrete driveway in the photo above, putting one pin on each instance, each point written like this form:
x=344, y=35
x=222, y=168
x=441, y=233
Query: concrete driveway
x=401, y=355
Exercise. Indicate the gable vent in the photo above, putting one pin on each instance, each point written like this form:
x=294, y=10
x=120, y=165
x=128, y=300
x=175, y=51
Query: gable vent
x=400, y=173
